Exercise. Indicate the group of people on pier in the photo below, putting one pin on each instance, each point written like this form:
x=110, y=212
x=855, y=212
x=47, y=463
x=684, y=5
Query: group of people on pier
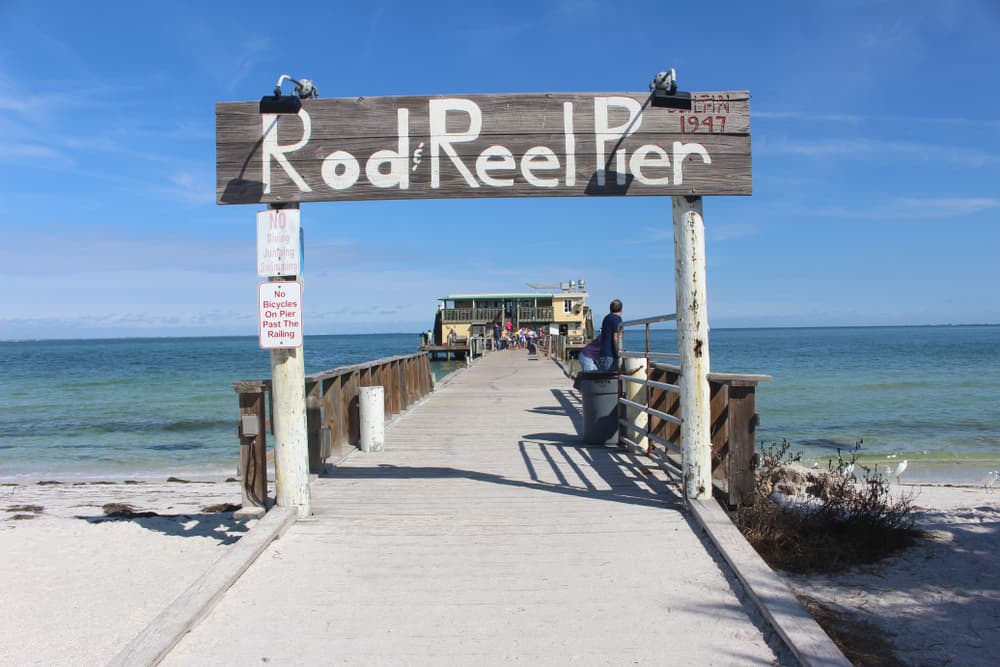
x=506, y=337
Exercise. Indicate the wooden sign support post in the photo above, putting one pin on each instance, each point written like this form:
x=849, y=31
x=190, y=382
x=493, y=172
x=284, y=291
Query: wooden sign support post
x=692, y=342
x=291, y=447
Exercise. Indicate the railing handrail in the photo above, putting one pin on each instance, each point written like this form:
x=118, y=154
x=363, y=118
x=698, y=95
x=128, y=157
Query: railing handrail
x=649, y=355
x=340, y=370
x=655, y=319
x=333, y=372
x=720, y=377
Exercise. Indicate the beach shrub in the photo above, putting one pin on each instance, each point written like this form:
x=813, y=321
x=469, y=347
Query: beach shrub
x=812, y=520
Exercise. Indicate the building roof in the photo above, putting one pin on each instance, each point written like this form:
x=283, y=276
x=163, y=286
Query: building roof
x=528, y=295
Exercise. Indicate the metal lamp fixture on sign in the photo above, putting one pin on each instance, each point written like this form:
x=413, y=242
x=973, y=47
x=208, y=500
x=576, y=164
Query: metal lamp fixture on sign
x=279, y=103
x=665, y=94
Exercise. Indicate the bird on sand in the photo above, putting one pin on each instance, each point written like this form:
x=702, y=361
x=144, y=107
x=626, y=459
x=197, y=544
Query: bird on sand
x=900, y=469
x=992, y=477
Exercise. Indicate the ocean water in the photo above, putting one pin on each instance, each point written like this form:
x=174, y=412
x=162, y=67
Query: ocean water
x=148, y=408
x=930, y=395
x=142, y=408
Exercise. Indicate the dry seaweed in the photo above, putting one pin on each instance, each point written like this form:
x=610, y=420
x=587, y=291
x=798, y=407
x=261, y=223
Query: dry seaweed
x=125, y=511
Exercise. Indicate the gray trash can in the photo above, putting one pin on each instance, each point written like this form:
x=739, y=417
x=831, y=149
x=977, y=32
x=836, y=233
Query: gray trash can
x=599, y=395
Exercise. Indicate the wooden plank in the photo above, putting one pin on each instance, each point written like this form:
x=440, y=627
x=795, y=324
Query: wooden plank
x=401, y=395
x=426, y=375
x=769, y=592
x=342, y=442
x=720, y=424
x=656, y=400
x=314, y=424
x=352, y=415
x=533, y=145
x=673, y=408
x=170, y=626
x=391, y=390
x=743, y=424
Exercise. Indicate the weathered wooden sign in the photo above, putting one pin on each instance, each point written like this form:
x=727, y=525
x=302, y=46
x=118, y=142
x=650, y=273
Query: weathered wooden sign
x=531, y=145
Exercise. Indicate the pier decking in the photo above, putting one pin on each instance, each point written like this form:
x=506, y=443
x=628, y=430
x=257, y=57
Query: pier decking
x=487, y=533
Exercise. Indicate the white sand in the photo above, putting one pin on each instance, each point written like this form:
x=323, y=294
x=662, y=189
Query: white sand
x=937, y=603
x=75, y=590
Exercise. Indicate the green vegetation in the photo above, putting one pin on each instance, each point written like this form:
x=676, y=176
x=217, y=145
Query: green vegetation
x=811, y=520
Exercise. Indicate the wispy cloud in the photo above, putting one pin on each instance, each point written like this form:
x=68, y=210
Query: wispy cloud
x=857, y=119
x=804, y=116
x=247, y=59
x=909, y=208
x=19, y=154
x=729, y=231
x=131, y=322
x=934, y=207
x=716, y=232
x=877, y=150
x=74, y=250
x=185, y=187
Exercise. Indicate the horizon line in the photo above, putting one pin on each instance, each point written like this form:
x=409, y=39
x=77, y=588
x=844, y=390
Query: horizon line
x=417, y=333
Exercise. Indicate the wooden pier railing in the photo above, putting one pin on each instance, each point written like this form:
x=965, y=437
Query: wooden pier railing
x=332, y=419
x=733, y=423
x=733, y=406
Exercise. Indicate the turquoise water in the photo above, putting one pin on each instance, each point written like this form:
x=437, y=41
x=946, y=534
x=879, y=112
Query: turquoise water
x=927, y=394
x=141, y=408
x=147, y=408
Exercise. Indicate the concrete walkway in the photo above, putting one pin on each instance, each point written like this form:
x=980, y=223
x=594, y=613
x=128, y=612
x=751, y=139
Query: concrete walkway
x=487, y=534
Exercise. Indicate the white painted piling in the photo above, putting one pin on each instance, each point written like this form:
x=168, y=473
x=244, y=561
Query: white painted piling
x=371, y=409
x=636, y=392
x=692, y=342
x=291, y=449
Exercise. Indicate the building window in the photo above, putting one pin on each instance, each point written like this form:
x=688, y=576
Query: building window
x=567, y=305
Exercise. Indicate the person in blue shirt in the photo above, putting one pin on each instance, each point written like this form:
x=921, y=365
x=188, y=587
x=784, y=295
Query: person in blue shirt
x=611, y=338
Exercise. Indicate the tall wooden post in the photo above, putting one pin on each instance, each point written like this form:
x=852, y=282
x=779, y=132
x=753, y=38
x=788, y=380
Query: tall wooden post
x=692, y=341
x=291, y=434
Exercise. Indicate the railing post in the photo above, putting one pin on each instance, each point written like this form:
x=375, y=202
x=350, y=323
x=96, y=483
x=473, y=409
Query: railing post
x=692, y=342
x=743, y=424
x=636, y=367
x=252, y=430
x=314, y=423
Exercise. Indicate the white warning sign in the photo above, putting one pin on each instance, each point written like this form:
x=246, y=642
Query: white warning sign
x=280, y=314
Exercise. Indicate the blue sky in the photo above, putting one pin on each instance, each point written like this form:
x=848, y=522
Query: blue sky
x=876, y=161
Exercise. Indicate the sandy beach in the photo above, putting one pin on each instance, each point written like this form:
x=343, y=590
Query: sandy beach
x=938, y=602
x=78, y=586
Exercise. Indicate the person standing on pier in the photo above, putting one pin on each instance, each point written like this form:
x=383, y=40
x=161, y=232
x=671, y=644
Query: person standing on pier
x=590, y=355
x=611, y=338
